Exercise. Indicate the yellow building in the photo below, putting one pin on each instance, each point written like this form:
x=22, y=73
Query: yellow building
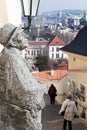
x=77, y=71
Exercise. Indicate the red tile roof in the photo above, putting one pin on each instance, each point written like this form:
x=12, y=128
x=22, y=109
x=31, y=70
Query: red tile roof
x=38, y=42
x=53, y=39
x=57, y=41
x=57, y=74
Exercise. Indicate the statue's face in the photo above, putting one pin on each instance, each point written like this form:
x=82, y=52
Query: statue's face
x=19, y=40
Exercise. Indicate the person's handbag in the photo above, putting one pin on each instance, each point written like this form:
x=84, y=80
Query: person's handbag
x=63, y=112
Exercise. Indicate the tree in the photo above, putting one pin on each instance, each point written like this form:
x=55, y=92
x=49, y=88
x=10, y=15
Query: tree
x=42, y=62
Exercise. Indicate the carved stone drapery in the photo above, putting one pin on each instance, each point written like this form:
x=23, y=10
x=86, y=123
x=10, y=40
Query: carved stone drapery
x=21, y=96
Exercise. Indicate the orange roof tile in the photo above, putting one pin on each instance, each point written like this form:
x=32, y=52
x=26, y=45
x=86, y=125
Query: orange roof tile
x=57, y=74
x=38, y=42
x=53, y=39
x=57, y=41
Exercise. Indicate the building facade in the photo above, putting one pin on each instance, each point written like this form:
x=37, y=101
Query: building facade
x=50, y=46
x=77, y=71
x=38, y=48
x=56, y=77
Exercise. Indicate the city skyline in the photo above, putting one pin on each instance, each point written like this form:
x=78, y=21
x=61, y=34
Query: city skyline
x=50, y=5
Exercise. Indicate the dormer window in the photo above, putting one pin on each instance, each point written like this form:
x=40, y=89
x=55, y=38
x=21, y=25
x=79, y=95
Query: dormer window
x=74, y=59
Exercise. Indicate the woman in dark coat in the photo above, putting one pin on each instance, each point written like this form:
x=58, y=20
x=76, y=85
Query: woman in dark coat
x=52, y=92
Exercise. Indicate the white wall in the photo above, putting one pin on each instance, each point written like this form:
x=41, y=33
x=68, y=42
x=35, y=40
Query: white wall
x=3, y=12
x=62, y=90
x=55, y=52
x=10, y=12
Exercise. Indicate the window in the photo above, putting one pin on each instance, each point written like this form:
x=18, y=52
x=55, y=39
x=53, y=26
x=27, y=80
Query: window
x=37, y=52
x=57, y=49
x=57, y=55
x=62, y=55
x=52, y=56
x=52, y=49
x=32, y=52
x=40, y=51
x=74, y=59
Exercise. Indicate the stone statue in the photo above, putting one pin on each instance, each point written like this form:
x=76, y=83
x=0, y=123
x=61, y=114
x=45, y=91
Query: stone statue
x=21, y=96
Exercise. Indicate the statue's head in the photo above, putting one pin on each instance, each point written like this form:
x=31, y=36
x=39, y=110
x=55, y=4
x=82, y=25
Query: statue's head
x=12, y=36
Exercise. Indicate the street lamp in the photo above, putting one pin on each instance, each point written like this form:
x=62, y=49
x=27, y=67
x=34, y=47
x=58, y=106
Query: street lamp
x=30, y=8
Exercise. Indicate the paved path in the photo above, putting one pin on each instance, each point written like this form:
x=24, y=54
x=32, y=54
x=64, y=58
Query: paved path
x=51, y=120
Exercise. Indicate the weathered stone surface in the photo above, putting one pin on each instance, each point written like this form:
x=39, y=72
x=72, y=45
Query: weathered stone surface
x=21, y=96
x=5, y=33
x=11, y=36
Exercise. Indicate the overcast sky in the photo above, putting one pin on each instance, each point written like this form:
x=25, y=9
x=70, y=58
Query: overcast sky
x=50, y=5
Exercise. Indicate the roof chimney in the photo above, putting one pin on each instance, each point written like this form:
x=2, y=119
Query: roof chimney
x=51, y=72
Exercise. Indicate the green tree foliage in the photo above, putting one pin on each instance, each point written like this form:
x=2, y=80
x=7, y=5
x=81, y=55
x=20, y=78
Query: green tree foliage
x=42, y=62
